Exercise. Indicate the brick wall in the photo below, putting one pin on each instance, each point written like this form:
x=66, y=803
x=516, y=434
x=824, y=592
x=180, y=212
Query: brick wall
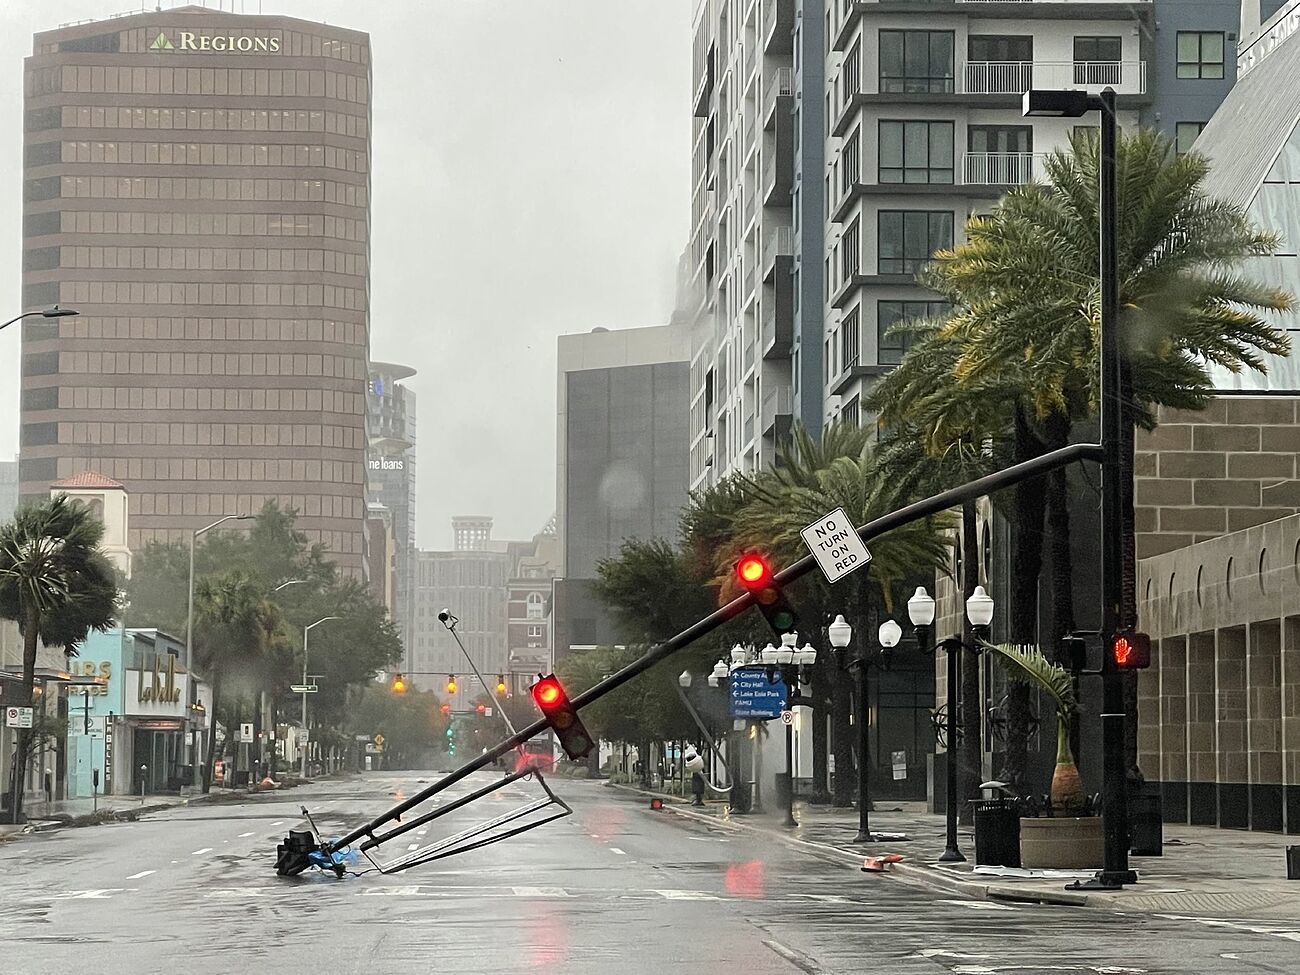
x=1203, y=474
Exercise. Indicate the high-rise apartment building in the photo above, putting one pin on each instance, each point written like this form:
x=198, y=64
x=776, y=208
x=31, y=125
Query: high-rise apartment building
x=743, y=285
x=196, y=185
x=924, y=128
x=8, y=489
x=390, y=474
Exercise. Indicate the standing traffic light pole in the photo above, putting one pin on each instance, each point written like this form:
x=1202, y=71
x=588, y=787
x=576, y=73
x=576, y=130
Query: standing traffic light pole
x=928, y=506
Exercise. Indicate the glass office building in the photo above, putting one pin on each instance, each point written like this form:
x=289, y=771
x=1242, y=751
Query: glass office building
x=197, y=185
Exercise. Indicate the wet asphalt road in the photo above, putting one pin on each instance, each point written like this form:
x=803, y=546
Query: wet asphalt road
x=615, y=888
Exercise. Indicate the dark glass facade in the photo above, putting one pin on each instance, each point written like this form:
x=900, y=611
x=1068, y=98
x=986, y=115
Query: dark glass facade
x=197, y=185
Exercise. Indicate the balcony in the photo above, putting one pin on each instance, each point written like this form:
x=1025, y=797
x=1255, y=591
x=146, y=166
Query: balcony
x=1017, y=77
x=777, y=411
x=778, y=179
x=778, y=244
x=1001, y=168
x=777, y=316
x=780, y=91
x=778, y=26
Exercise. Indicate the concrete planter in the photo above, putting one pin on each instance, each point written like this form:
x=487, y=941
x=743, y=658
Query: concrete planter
x=1061, y=843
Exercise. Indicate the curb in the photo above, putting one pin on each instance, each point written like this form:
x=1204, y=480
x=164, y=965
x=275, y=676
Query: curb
x=908, y=873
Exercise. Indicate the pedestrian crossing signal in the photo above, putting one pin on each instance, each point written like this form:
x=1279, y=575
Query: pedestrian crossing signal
x=754, y=573
x=562, y=716
x=1131, y=650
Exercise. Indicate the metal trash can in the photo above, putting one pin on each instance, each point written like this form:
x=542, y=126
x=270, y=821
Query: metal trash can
x=741, y=797
x=1145, y=825
x=997, y=832
x=1293, y=863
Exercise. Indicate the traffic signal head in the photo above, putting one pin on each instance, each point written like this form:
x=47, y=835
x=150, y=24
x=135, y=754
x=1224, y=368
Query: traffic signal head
x=1131, y=650
x=501, y=684
x=399, y=684
x=451, y=683
x=482, y=709
x=755, y=574
x=562, y=716
x=446, y=709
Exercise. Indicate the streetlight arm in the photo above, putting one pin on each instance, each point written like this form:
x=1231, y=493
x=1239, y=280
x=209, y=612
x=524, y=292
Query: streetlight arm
x=18, y=318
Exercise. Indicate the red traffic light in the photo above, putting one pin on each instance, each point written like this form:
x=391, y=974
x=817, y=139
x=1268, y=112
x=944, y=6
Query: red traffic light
x=1131, y=650
x=753, y=571
x=562, y=716
x=446, y=709
x=482, y=709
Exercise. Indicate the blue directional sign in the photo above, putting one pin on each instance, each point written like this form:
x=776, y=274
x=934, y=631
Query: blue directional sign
x=752, y=696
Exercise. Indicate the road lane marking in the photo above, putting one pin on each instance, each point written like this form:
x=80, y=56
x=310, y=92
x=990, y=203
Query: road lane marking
x=978, y=905
x=540, y=892
x=795, y=958
x=242, y=835
x=413, y=846
x=206, y=849
x=615, y=849
x=278, y=822
x=142, y=873
x=686, y=895
x=102, y=893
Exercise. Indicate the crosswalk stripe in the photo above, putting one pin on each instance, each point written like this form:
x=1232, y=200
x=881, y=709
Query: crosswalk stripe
x=142, y=873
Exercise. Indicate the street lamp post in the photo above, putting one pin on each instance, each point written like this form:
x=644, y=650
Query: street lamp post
x=1115, y=870
x=305, y=630
x=55, y=312
x=189, y=642
x=266, y=705
x=979, y=611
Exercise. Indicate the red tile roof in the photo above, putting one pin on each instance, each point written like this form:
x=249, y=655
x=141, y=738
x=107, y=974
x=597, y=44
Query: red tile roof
x=88, y=479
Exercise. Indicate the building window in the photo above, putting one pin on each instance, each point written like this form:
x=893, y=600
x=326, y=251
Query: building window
x=534, y=631
x=916, y=61
x=907, y=239
x=850, y=251
x=915, y=152
x=1185, y=134
x=1200, y=54
x=1000, y=48
x=1097, y=61
x=851, y=339
x=892, y=348
x=851, y=415
x=852, y=79
x=536, y=608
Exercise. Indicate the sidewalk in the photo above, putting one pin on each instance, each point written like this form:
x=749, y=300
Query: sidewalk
x=1204, y=871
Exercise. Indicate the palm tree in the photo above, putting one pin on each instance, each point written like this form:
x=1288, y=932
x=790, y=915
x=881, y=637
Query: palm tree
x=56, y=583
x=809, y=480
x=234, y=625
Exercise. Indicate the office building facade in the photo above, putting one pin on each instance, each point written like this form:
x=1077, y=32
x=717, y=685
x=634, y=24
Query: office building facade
x=622, y=460
x=196, y=185
x=390, y=475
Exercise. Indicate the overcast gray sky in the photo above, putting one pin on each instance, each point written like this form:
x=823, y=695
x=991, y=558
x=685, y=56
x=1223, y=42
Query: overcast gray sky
x=530, y=178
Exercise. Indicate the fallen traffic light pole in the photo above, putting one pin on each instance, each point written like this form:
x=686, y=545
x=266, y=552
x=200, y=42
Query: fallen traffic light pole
x=979, y=487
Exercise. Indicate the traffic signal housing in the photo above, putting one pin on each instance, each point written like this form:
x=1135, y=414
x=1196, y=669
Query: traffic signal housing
x=562, y=716
x=451, y=683
x=1130, y=650
x=399, y=684
x=754, y=573
x=501, y=684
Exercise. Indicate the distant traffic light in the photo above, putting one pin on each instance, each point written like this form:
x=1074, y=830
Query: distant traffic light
x=755, y=573
x=501, y=684
x=1131, y=650
x=451, y=683
x=562, y=716
x=399, y=684
x=446, y=709
x=482, y=709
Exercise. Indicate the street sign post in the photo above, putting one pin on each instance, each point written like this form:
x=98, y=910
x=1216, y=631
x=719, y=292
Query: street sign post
x=835, y=544
x=303, y=688
x=18, y=717
x=246, y=731
x=787, y=717
x=754, y=696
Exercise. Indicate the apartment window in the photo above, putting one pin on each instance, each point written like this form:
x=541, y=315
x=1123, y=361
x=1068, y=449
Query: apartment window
x=916, y=61
x=534, y=631
x=1000, y=48
x=851, y=339
x=850, y=251
x=999, y=154
x=851, y=415
x=906, y=239
x=1200, y=54
x=1185, y=134
x=892, y=348
x=535, y=603
x=850, y=161
x=915, y=152
x=1097, y=61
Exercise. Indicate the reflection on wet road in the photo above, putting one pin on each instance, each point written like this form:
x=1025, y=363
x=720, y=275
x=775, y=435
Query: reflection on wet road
x=614, y=888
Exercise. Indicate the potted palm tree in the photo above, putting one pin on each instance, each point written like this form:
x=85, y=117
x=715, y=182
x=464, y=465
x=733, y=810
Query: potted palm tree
x=1067, y=838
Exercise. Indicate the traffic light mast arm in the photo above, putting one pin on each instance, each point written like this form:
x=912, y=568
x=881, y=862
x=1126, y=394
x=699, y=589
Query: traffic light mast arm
x=895, y=519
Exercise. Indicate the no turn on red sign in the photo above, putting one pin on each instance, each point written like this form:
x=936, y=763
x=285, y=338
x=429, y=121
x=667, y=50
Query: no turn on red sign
x=835, y=545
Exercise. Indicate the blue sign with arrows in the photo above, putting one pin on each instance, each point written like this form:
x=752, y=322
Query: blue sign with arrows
x=753, y=696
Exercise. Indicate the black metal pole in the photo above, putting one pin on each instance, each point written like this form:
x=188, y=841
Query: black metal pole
x=864, y=760
x=905, y=515
x=1115, y=870
x=789, y=771
x=952, y=648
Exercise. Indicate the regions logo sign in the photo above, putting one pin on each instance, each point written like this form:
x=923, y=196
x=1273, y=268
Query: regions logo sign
x=190, y=41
